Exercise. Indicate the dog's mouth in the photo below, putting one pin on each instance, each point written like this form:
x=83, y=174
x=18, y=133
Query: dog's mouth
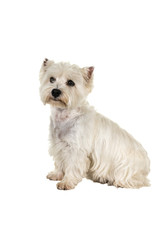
x=57, y=100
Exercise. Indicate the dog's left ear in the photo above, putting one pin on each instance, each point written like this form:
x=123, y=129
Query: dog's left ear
x=87, y=73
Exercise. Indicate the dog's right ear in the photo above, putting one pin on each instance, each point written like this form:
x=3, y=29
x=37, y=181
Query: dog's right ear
x=46, y=63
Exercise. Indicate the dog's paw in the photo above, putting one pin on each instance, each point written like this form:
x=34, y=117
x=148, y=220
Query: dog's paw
x=65, y=185
x=55, y=176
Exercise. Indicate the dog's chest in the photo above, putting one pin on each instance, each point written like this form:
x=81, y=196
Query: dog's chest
x=63, y=124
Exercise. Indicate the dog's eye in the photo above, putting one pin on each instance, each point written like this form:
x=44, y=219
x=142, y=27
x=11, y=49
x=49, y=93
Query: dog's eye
x=70, y=83
x=52, y=79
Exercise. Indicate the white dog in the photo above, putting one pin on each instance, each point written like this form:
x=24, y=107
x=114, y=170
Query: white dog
x=83, y=142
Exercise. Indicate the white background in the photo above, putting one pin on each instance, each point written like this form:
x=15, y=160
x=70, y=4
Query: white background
x=122, y=40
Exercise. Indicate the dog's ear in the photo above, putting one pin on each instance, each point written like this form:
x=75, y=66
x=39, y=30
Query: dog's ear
x=90, y=71
x=87, y=73
x=46, y=63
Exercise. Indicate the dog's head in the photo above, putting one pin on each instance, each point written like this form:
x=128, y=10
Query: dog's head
x=64, y=85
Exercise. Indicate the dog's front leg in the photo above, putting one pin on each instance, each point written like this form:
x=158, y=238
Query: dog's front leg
x=75, y=168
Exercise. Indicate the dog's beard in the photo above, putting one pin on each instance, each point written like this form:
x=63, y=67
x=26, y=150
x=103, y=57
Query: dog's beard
x=60, y=102
x=56, y=102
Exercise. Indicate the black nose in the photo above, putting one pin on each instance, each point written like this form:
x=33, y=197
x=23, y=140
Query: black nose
x=56, y=92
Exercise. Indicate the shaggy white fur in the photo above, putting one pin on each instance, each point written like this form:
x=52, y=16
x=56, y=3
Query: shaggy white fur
x=84, y=143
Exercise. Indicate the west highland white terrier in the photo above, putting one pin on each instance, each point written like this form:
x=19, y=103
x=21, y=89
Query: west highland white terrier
x=84, y=143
